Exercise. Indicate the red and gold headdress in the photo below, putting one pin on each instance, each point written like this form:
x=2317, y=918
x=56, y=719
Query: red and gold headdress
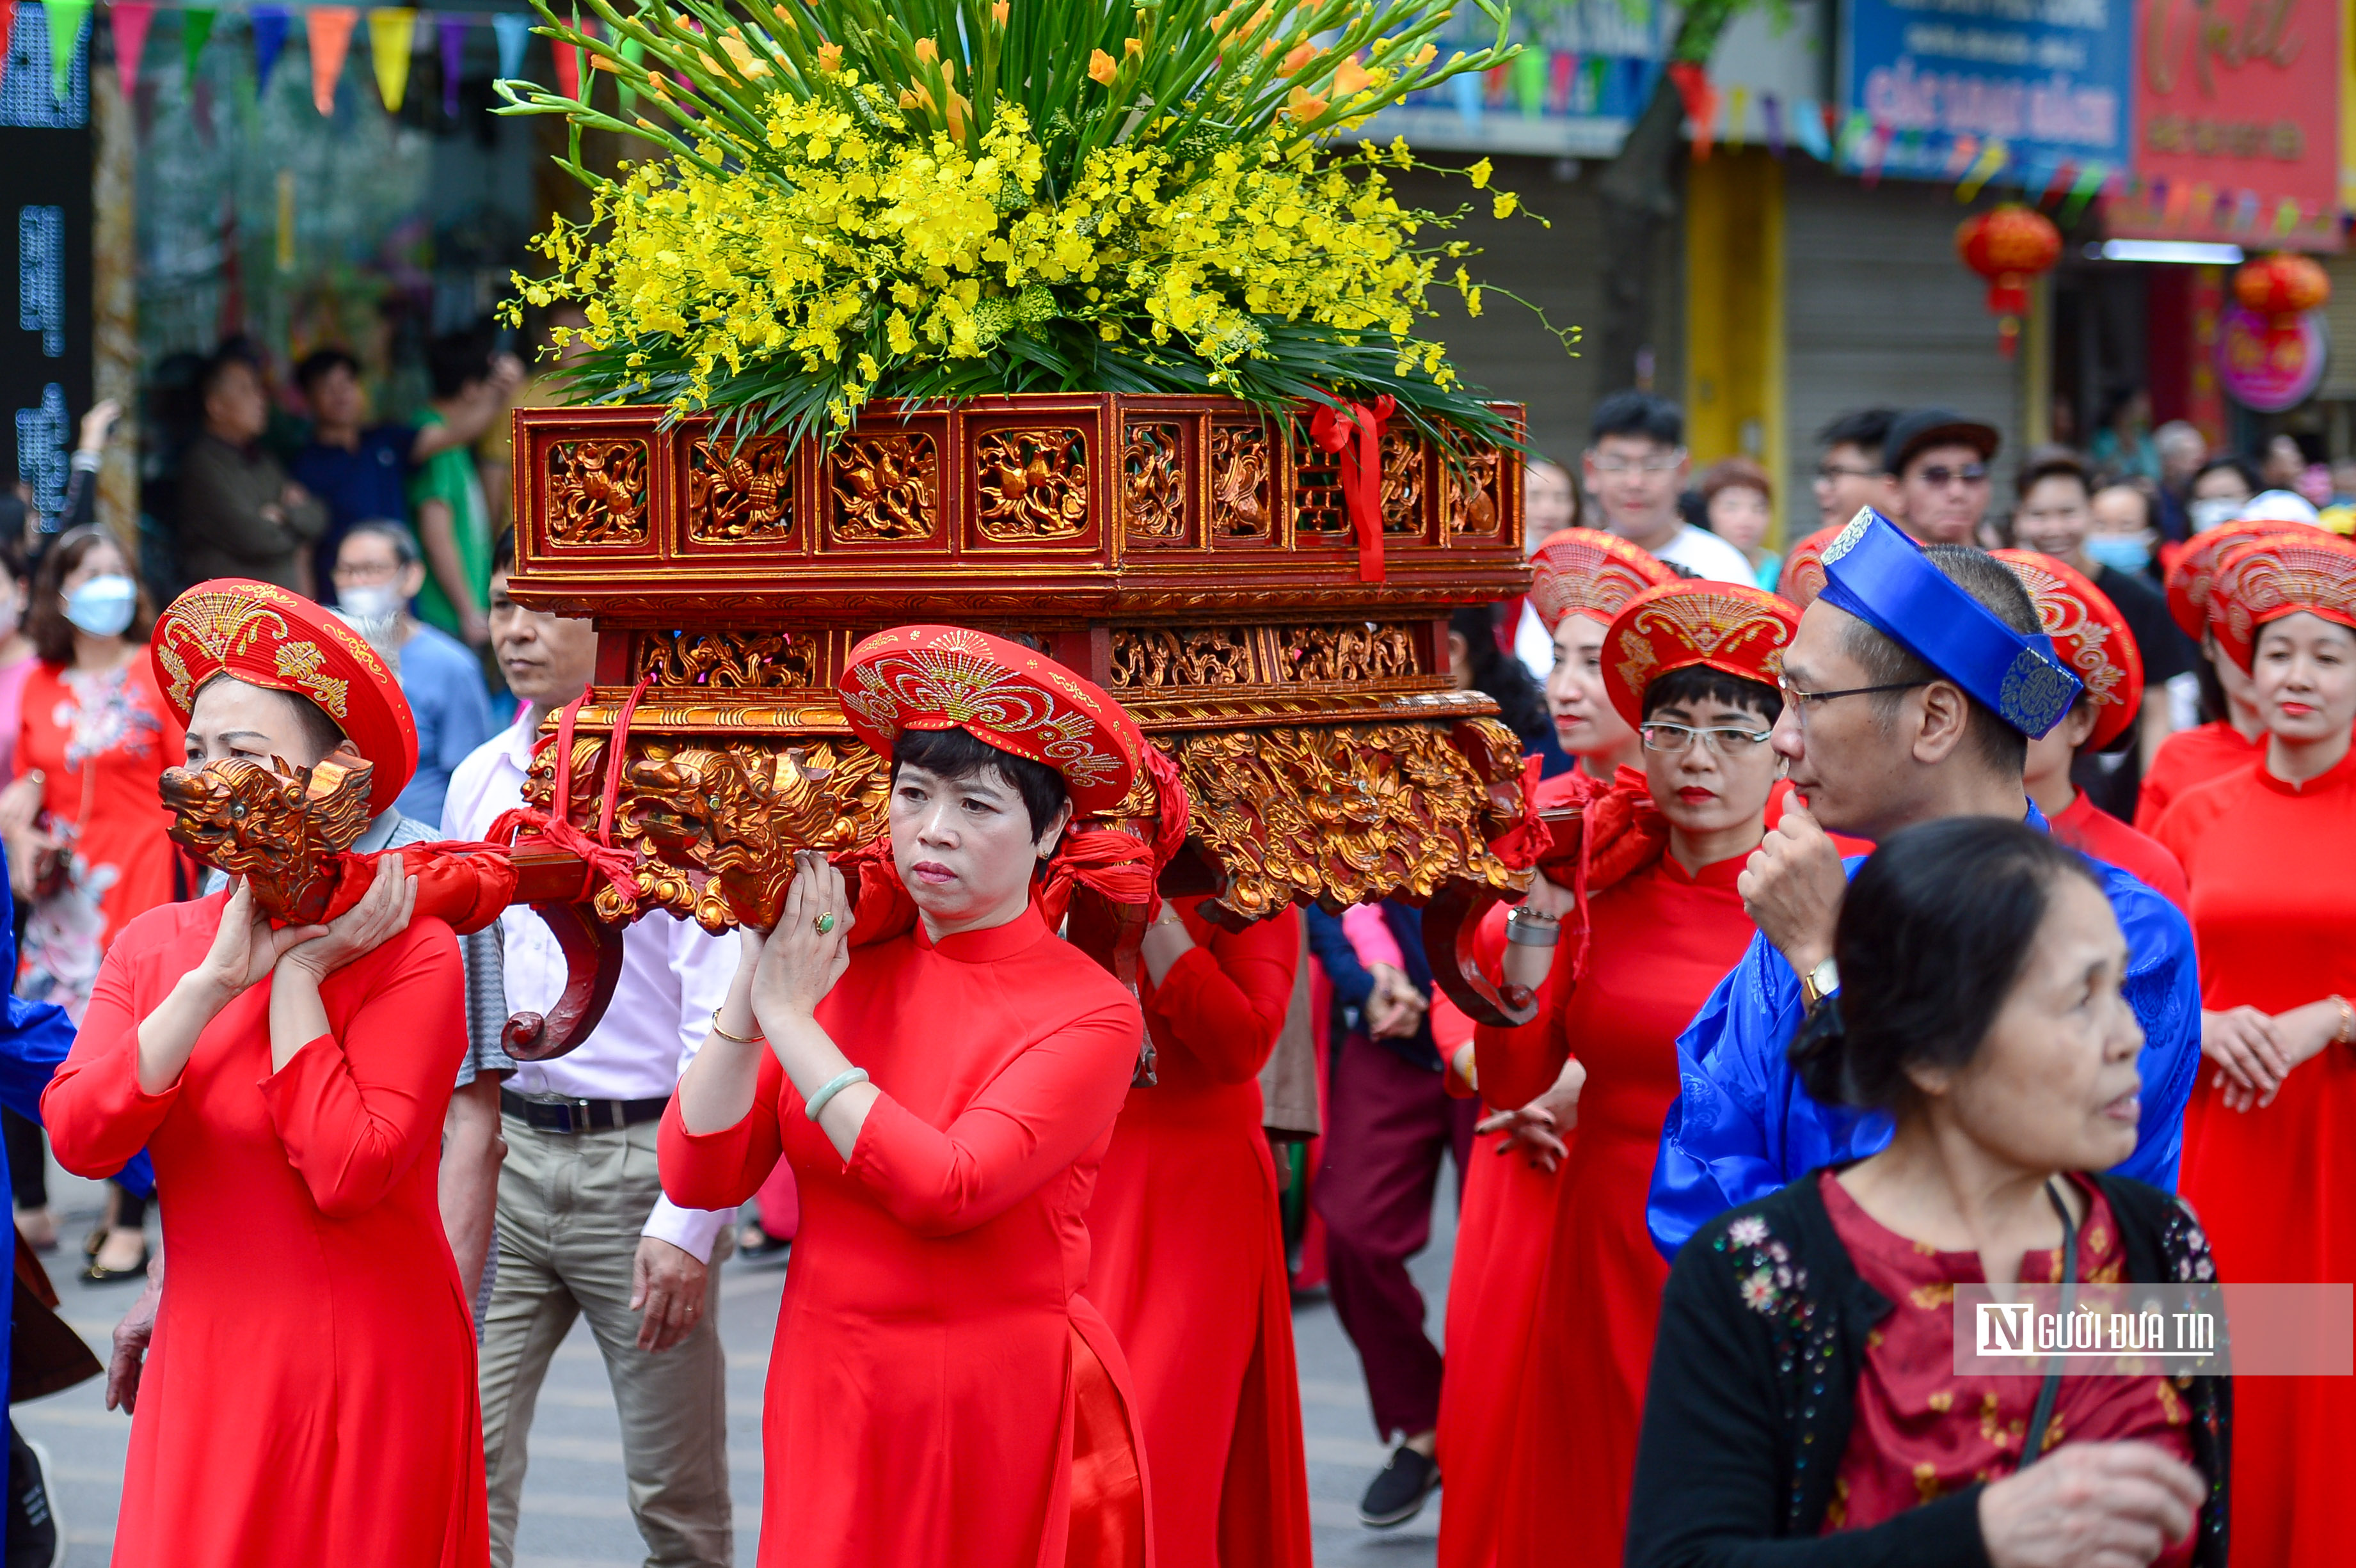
x=1803, y=577
x=1727, y=626
x=1018, y=701
x=2192, y=575
x=2263, y=580
x=2089, y=636
x=1585, y=571
x=264, y=635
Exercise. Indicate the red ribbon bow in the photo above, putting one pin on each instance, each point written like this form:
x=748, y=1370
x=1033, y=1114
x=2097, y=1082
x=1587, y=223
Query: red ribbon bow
x=1354, y=433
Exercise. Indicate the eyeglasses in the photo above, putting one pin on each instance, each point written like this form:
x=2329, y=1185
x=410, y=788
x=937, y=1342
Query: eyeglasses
x=1802, y=701
x=1831, y=473
x=1657, y=465
x=1939, y=475
x=1722, y=739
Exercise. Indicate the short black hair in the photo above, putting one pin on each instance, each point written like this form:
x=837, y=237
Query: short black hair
x=455, y=358
x=2239, y=465
x=1638, y=414
x=1933, y=933
x=959, y=754
x=1697, y=685
x=1888, y=662
x=2141, y=494
x=1499, y=676
x=2052, y=462
x=1867, y=427
x=231, y=355
x=321, y=733
x=320, y=361
x=503, y=552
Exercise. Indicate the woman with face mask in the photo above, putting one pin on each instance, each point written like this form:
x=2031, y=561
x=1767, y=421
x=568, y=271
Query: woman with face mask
x=86, y=842
x=2270, y=1135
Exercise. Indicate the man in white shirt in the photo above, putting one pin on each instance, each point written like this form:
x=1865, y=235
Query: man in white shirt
x=583, y=1224
x=1636, y=467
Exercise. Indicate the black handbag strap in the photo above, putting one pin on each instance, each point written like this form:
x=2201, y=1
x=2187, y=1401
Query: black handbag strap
x=2041, y=1418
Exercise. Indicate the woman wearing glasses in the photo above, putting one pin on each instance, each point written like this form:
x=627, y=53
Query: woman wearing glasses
x=1692, y=666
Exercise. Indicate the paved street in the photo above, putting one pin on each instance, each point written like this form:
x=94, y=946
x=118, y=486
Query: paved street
x=574, y=1515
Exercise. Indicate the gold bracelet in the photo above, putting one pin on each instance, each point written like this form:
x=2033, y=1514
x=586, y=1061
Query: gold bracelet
x=740, y=1040
x=2346, y=1033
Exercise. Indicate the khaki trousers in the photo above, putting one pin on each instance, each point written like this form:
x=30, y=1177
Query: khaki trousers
x=571, y=1205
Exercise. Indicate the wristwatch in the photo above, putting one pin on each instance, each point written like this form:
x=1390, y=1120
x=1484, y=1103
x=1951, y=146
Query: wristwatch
x=1820, y=982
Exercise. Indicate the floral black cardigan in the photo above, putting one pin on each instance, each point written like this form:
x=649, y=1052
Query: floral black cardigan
x=1754, y=1374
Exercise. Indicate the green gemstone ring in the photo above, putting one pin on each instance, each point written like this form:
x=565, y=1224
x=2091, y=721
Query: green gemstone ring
x=824, y=922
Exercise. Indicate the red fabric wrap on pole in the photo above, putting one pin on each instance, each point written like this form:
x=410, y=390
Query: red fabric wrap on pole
x=1620, y=833
x=466, y=885
x=1354, y=433
x=554, y=827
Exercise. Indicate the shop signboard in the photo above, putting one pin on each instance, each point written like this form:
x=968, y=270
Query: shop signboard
x=1572, y=92
x=2237, y=124
x=44, y=250
x=2023, y=89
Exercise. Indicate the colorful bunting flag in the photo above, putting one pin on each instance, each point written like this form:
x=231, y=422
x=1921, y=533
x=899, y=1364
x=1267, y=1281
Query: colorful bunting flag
x=391, y=30
x=452, y=32
x=1700, y=98
x=1808, y=129
x=269, y=38
x=66, y=19
x=1530, y=82
x=195, y=31
x=1561, y=74
x=330, y=30
x=129, y=20
x=1771, y=111
x=1992, y=157
x=1467, y=90
x=1738, y=114
x=513, y=30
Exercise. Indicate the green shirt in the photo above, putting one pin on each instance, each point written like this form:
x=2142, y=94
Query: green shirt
x=449, y=477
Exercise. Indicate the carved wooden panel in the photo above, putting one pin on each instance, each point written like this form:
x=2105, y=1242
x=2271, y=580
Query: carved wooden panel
x=740, y=494
x=1030, y=485
x=730, y=661
x=1403, y=483
x=1348, y=653
x=1152, y=659
x=1243, y=482
x=1153, y=481
x=597, y=492
x=1476, y=504
x=1344, y=814
x=886, y=486
x=1319, y=510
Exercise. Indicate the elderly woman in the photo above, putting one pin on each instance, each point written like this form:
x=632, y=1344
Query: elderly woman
x=2270, y=1137
x=940, y=1390
x=310, y=1397
x=1804, y=1388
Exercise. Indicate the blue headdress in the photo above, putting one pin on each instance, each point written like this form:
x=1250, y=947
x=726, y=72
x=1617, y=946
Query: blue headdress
x=1882, y=577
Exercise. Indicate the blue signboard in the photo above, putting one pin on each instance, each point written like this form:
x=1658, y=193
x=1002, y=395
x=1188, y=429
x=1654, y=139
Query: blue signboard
x=1928, y=84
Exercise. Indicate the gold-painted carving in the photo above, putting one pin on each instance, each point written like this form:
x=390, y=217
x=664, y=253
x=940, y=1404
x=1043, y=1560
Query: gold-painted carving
x=731, y=661
x=1349, y=653
x=279, y=830
x=1154, y=481
x=1474, y=505
x=886, y=486
x=1030, y=485
x=597, y=492
x=1402, y=483
x=1151, y=659
x=1344, y=814
x=739, y=493
x=1243, y=485
x=715, y=823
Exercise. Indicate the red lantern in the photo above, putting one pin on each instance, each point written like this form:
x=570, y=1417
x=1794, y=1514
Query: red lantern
x=2283, y=287
x=2008, y=245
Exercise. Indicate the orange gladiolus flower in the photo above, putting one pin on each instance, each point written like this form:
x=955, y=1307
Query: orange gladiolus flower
x=830, y=56
x=1350, y=77
x=1300, y=55
x=1100, y=67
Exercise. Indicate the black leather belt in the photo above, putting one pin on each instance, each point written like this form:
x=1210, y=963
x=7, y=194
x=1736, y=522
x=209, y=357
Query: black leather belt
x=580, y=1115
